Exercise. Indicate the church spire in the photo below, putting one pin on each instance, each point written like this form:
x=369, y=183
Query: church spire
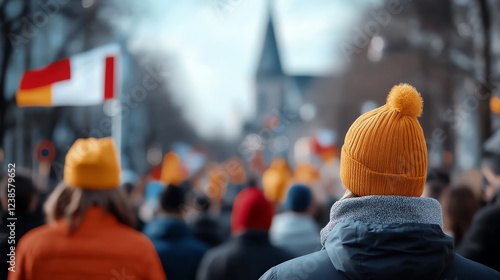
x=269, y=61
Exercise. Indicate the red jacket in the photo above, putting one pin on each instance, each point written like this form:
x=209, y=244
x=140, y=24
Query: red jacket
x=100, y=248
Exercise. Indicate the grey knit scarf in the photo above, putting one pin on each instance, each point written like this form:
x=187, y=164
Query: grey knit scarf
x=384, y=209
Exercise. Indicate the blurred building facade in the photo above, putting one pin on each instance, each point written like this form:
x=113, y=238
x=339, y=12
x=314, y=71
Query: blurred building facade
x=449, y=50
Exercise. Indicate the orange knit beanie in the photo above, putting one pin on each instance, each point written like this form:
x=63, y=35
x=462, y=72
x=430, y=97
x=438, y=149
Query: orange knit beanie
x=275, y=180
x=92, y=164
x=384, y=151
x=171, y=170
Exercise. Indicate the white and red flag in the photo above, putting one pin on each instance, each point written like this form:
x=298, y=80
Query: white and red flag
x=88, y=78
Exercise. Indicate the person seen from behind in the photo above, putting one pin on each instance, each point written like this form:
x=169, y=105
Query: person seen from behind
x=382, y=228
x=295, y=230
x=89, y=234
x=459, y=207
x=179, y=251
x=481, y=242
x=204, y=225
x=249, y=253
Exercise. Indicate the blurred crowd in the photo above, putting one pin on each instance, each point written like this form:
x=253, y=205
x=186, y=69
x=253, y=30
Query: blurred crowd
x=230, y=222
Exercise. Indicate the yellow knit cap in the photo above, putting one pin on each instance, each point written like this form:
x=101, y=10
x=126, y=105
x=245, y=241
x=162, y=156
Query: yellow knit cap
x=275, y=180
x=495, y=105
x=171, y=172
x=92, y=164
x=384, y=151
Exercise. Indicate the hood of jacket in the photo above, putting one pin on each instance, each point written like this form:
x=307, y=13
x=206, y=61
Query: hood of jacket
x=388, y=237
x=167, y=228
x=290, y=226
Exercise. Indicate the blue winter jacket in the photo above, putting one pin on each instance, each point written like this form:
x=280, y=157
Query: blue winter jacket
x=179, y=252
x=383, y=237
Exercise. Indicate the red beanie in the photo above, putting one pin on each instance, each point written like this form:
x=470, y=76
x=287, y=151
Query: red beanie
x=251, y=211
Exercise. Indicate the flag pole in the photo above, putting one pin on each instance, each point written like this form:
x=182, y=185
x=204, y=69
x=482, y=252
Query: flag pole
x=116, y=122
x=116, y=129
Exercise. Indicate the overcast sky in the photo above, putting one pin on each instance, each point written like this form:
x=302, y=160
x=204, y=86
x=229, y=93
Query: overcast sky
x=216, y=45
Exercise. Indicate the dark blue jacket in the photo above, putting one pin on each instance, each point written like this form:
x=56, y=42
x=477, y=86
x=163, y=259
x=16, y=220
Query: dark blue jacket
x=356, y=249
x=179, y=251
x=244, y=257
x=482, y=241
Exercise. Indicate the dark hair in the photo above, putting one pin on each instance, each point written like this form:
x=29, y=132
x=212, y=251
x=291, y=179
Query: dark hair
x=439, y=176
x=459, y=207
x=201, y=202
x=25, y=190
x=253, y=182
x=128, y=187
x=71, y=203
x=172, y=199
x=435, y=189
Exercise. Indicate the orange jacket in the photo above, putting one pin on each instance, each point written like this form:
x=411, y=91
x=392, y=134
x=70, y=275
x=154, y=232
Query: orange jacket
x=100, y=248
